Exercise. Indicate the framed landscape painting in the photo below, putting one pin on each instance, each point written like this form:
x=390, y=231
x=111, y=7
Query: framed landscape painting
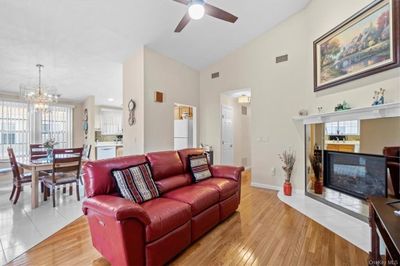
x=365, y=44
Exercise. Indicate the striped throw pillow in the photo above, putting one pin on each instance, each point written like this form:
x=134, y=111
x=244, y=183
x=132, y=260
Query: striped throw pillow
x=136, y=183
x=199, y=167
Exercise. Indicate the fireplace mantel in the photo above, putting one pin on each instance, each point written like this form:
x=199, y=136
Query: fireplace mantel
x=370, y=112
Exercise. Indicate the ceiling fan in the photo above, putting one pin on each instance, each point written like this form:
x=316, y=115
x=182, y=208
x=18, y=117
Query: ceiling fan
x=197, y=9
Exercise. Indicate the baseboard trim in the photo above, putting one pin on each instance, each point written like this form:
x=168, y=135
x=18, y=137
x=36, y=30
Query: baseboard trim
x=266, y=186
x=272, y=187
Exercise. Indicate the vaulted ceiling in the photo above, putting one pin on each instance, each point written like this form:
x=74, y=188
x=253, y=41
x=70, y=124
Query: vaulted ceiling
x=83, y=43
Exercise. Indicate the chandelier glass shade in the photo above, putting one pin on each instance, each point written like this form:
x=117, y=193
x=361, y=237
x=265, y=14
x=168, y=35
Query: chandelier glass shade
x=40, y=96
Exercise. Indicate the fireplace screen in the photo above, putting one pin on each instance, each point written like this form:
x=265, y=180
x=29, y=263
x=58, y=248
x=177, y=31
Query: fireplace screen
x=359, y=175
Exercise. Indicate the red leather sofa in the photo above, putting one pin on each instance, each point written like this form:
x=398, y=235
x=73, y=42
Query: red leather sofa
x=154, y=232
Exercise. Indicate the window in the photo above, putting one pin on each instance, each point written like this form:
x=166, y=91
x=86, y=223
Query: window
x=14, y=128
x=343, y=128
x=57, y=124
x=20, y=126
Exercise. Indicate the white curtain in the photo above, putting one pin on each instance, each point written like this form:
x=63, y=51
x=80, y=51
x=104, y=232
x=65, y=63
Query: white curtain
x=14, y=128
x=20, y=126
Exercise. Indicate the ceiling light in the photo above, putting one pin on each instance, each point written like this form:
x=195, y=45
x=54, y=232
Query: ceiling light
x=244, y=99
x=40, y=96
x=196, y=10
x=110, y=99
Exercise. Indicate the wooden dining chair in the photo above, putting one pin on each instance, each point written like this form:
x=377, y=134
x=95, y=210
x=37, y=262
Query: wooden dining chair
x=19, y=179
x=85, y=155
x=66, y=170
x=37, y=151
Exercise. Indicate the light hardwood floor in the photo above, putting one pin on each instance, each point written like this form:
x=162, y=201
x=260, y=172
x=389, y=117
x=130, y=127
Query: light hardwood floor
x=264, y=231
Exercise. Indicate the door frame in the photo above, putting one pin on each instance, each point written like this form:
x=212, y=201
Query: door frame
x=222, y=106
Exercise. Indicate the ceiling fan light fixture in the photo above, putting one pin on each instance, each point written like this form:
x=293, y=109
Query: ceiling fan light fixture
x=196, y=10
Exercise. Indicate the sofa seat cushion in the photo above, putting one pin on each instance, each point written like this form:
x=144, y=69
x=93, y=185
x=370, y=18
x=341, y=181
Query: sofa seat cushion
x=165, y=215
x=198, y=197
x=226, y=187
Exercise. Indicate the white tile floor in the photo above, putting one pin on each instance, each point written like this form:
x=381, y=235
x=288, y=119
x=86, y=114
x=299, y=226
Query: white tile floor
x=345, y=201
x=22, y=227
x=352, y=229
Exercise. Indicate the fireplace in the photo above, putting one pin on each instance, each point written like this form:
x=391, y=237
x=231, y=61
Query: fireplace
x=359, y=175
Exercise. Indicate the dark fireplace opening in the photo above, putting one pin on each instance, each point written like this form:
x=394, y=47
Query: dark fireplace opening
x=359, y=175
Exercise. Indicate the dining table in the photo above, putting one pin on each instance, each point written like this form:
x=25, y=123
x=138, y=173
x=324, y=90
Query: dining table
x=35, y=167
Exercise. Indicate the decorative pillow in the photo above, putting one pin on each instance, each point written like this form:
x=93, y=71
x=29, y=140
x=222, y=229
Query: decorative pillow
x=136, y=183
x=199, y=167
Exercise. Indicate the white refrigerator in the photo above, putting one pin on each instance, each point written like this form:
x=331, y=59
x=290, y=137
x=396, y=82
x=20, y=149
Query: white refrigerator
x=183, y=134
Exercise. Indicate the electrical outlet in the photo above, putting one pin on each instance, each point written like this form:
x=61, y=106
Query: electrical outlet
x=273, y=171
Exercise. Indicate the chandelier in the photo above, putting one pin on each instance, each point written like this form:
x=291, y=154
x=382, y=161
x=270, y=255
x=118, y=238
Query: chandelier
x=40, y=96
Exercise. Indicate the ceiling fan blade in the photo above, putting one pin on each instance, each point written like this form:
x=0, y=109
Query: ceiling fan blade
x=185, y=2
x=182, y=24
x=219, y=13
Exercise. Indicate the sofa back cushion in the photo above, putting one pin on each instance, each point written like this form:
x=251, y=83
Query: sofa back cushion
x=184, y=155
x=167, y=169
x=165, y=164
x=98, y=177
x=136, y=183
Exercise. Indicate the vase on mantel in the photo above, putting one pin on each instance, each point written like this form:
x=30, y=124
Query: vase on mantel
x=287, y=188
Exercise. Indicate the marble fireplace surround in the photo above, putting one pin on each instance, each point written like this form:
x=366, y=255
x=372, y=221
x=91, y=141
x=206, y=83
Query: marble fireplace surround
x=347, y=204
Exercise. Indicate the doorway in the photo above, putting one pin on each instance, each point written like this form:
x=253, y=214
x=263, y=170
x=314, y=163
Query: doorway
x=227, y=135
x=235, y=139
x=185, y=126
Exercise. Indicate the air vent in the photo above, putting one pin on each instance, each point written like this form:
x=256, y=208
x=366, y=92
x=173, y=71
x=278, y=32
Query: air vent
x=282, y=58
x=215, y=75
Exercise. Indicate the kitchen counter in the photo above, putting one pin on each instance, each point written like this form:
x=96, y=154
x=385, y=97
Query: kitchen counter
x=338, y=142
x=109, y=144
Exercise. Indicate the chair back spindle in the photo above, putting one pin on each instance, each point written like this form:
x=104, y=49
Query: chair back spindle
x=38, y=151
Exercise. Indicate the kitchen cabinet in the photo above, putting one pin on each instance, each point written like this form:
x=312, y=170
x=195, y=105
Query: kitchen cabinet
x=120, y=151
x=341, y=147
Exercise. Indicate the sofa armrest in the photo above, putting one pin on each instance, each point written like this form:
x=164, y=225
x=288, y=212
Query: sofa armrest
x=224, y=171
x=116, y=207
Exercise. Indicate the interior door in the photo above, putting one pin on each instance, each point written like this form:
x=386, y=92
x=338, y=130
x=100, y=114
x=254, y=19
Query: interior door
x=227, y=135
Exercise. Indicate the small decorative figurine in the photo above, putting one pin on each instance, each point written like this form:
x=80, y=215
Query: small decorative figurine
x=379, y=97
x=303, y=112
x=342, y=106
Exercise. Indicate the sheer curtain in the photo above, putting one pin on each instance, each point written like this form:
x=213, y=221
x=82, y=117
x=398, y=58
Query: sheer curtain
x=57, y=124
x=14, y=128
x=21, y=126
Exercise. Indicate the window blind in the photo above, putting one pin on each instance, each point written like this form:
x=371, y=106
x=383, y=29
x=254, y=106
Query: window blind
x=14, y=128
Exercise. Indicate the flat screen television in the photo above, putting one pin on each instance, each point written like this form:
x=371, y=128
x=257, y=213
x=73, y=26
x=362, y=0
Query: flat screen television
x=356, y=174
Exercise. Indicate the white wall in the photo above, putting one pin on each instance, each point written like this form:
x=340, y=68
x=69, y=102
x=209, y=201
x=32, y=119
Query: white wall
x=77, y=126
x=90, y=105
x=279, y=91
x=144, y=73
x=375, y=134
x=133, y=88
x=179, y=83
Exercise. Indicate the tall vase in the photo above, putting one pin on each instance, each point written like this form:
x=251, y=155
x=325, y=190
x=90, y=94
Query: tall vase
x=318, y=187
x=287, y=188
